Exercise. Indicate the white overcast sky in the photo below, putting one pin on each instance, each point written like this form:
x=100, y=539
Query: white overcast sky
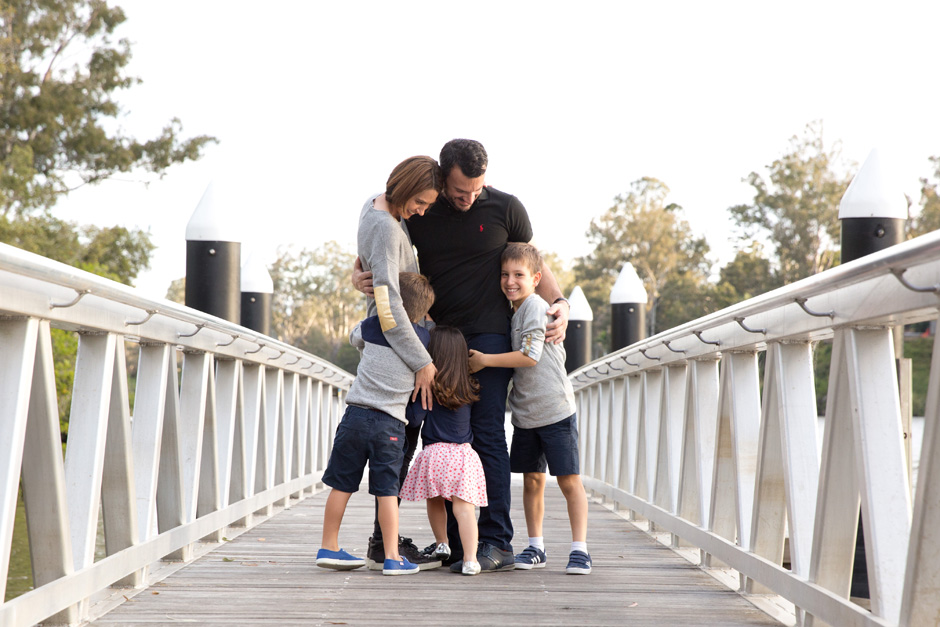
x=315, y=102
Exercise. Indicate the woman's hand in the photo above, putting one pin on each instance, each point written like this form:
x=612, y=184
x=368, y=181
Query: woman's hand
x=361, y=279
x=423, y=380
x=477, y=360
x=556, y=330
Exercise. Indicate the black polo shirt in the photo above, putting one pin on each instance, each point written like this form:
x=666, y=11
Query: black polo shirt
x=459, y=251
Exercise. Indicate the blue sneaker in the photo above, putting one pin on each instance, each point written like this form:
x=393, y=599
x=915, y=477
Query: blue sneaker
x=579, y=563
x=338, y=560
x=531, y=558
x=399, y=567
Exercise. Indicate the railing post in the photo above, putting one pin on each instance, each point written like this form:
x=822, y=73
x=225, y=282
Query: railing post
x=213, y=260
x=578, y=340
x=257, y=288
x=628, y=300
x=873, y=214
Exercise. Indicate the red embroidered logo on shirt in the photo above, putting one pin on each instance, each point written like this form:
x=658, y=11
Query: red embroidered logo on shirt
x=393, y=439
x=481, y=228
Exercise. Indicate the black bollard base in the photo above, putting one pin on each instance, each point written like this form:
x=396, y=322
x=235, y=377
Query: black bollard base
x=213, y=278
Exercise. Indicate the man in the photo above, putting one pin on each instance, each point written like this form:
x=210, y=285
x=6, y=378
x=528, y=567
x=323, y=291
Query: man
x=459, y=241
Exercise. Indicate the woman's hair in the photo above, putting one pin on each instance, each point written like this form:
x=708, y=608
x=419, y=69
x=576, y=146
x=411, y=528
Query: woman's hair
x=453, y=386
x=527, y=254
x=411, y=177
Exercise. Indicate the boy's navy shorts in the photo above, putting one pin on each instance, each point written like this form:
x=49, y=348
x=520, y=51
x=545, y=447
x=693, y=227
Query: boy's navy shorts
x=366, y=435
x=554, y=446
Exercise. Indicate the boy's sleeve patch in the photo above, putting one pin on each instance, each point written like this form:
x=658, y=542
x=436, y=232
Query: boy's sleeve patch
x=384, y=307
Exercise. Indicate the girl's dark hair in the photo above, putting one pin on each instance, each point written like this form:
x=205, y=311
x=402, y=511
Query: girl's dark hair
x=411, y=177
x=453, y=386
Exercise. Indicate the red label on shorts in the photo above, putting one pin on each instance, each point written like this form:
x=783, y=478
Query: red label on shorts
x=393, y=439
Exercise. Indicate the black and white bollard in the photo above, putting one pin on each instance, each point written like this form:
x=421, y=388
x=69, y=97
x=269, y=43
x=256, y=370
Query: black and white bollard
x=257, y=291
x=628, y=300
x=213, y=260
x=873, y=211
x=578, y=337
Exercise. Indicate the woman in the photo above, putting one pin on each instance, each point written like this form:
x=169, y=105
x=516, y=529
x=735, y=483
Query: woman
x=385, y=249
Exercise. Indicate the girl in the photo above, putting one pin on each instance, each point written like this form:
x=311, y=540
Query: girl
x=447, y=467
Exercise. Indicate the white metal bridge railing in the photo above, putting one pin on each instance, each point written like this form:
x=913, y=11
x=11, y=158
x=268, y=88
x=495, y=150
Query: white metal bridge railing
x=226, y=424
x=680, y=430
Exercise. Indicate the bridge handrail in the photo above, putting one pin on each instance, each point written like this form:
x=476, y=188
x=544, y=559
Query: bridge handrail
x=227, y=425
x=679, y=430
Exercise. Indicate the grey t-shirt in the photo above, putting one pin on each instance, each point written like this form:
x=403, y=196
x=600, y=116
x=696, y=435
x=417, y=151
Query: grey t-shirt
x=541, y=394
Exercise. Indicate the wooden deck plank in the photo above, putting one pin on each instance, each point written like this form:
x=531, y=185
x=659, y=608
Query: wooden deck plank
x=267, y=576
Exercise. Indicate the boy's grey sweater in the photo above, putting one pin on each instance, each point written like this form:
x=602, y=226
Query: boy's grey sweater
x=385, y=249
x=541, y=394
x=383, y=381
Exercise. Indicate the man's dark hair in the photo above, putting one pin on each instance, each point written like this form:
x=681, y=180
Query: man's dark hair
x=467, y=154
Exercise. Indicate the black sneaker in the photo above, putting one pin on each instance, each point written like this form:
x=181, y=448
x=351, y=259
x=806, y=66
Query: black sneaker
x=491, y=560
x=375, y=555
x=408, y=550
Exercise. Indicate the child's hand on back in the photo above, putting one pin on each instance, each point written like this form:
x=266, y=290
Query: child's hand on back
x=476, y=361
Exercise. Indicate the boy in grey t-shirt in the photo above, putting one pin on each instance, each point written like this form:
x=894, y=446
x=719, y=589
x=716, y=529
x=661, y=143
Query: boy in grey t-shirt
x=373, y=431
x=545, y=428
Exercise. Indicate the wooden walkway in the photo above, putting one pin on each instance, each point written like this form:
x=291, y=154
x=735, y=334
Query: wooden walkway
x=267, y=576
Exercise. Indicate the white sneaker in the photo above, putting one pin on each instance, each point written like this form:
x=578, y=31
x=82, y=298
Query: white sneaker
x=471, y=568
x=442, y=552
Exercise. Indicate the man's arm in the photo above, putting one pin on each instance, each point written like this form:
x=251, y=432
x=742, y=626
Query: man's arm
x=361, y=279
x=550, y=292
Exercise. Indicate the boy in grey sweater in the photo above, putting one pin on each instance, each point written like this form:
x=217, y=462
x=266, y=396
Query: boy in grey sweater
x=545, y=427
x=373, y=431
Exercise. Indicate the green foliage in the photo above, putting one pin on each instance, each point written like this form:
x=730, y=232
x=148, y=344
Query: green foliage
x=919, y=350
x=929, y=217
x=60, y=70
x=644, y=229
x=749, y=274
x=64, y=354
x=315, y=305
x=797, y=207
x=114, y=252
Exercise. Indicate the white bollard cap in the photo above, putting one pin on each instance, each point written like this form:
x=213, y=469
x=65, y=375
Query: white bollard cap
x=874, y=192
x=580, y=309
x=215, y=219
x=628, y=288
x=255, y=276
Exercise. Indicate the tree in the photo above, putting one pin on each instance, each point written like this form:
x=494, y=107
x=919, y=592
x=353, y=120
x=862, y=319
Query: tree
x=60, y=70
x=315, y=305
x=797, y=208
x=749, y=274
x=929, y=217
x=644, y=229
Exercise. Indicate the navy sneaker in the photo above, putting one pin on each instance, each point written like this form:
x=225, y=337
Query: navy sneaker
x=579, y=563
x=399, y=567
x=530, y=558
x=338, y=560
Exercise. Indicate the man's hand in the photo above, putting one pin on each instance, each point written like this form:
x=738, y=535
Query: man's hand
x=476, y=361
x=362, y=280
x=556, y=330
x=423, y=380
